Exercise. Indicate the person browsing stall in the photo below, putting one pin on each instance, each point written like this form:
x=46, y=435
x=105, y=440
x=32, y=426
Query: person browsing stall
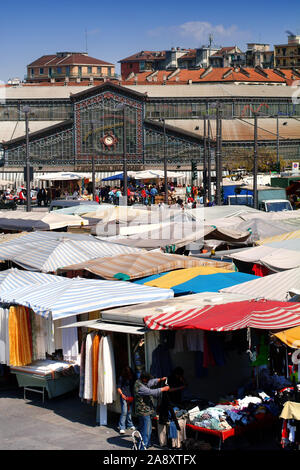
x=144, y=392
x=125, y=390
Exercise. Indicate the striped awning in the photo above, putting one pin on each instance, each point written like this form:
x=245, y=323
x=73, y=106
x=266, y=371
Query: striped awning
x=137, y=265
x=49, y=251
x=16, y=279
x=262, y=314
x=271, y=287
x=76, y=296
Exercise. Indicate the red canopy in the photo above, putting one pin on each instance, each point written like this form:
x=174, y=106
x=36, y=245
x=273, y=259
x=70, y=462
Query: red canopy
x=264, y=314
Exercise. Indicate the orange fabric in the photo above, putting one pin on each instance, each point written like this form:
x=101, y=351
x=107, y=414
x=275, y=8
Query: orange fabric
x=19, y=337
x=95, y=355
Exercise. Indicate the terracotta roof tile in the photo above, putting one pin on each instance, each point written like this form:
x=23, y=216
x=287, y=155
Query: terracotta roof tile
x=226, y=74
x=72, y=59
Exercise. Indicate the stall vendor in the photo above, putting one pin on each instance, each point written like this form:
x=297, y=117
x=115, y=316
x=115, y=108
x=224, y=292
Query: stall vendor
x=178, y=382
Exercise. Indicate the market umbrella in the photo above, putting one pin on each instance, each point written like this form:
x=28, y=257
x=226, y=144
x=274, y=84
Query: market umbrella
x=261, y=314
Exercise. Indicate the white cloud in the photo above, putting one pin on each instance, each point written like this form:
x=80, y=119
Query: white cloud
x=200, y=30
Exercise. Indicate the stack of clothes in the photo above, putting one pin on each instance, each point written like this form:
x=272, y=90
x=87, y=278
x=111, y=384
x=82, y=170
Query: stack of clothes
x=240, y=412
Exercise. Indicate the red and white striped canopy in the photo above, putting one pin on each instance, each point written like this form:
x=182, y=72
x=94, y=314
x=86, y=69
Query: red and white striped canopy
x=264, y=314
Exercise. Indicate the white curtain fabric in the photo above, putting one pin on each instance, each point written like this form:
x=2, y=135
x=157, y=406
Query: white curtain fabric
x=58, y=334
x=41, y=337
x=88, y=377
x=69, y=340
x=195, y=340
x=100, y=387
x=4, y=339
x=107, y=389
x=50, y=335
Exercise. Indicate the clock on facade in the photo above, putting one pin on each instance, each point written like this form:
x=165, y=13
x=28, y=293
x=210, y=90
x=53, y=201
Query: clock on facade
x=109, y=140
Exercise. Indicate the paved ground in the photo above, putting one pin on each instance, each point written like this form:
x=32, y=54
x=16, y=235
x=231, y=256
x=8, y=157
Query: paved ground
x=65, y=423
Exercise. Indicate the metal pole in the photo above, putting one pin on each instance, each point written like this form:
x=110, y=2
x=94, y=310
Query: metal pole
x=165, y=165
x=204, y=160
x=124, y=157
x=255, y=205
x=277, y=143
x=93, y=163
x=208, y=162
x=28, y=197
x=218, y=155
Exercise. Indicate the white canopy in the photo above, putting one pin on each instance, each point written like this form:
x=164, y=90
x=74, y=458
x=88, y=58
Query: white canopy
x=5, y=183
x=28, y=221
x=276, y=259
x=61, y=176
x=148, y=174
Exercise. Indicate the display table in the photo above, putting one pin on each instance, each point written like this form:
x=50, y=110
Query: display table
x=57, y=377
x=261, y=420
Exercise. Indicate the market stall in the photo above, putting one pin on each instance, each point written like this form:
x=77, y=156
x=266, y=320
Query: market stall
x=66, y=184
x=34, y=308
x=254, y=404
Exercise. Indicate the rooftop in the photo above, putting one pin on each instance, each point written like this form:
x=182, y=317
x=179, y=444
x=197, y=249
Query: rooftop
x=211, y=74
x=67, y=58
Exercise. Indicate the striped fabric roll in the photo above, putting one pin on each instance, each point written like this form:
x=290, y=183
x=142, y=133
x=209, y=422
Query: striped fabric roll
x=19, y=337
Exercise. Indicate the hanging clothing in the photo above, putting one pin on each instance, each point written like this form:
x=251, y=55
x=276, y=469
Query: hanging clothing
x=41, y=336
x=109, y=374
x=19, y=337
x=4, y=336
x=208, y=358
x=95, y=358
x=82, y=368
x=50, y=335
x=58, y=334
x=195, y=340
x=100, y=387
x=88, y=377
x=161, y=362
x=179, y=341
x=260, y=270
x=69, y=339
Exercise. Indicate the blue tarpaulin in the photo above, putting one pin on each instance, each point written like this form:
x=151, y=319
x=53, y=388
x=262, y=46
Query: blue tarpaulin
x=113, y=177
x=206, y=283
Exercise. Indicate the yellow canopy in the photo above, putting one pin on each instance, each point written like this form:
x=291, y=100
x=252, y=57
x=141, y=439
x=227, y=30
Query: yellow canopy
x=290, y=337
x=183, y=275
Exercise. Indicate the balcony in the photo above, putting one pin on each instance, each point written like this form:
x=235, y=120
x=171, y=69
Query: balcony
x=71, y=77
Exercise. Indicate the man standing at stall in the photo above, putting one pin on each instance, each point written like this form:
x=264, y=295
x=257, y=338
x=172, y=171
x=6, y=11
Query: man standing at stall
x=144, y=406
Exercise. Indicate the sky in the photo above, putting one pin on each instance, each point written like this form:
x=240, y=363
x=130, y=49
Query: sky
x=115, y=30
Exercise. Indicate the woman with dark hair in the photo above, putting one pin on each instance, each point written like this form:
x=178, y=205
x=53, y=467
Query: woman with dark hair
x=125, y=390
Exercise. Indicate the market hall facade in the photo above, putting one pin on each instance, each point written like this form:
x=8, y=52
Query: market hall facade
x=108, y=120
x=155, y=120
